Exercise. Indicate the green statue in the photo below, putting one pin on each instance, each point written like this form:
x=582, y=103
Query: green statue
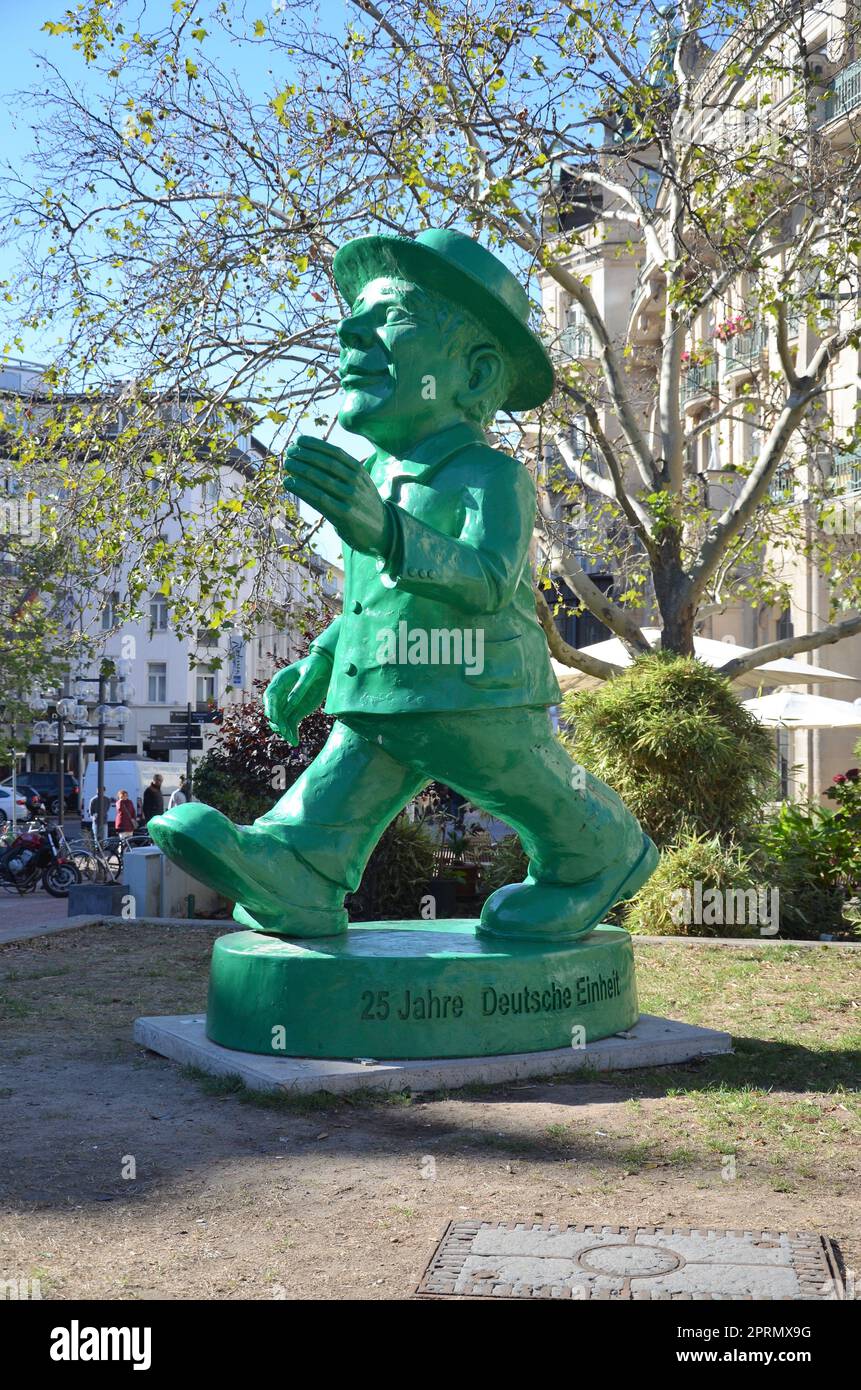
x=437, y=668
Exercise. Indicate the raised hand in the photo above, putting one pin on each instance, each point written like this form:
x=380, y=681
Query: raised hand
x=332, y=482
x=295, y=692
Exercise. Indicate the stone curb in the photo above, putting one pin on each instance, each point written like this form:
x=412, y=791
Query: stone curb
x=652, y=1042
x=7, y=937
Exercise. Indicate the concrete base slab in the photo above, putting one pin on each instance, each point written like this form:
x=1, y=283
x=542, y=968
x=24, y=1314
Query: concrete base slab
x=652, y=1042
x=491, y=1258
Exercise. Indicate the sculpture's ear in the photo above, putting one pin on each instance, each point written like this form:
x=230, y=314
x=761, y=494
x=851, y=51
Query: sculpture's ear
x=484, y=372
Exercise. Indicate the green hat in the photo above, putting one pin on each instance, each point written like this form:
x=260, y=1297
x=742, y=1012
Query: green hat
x=457, y=267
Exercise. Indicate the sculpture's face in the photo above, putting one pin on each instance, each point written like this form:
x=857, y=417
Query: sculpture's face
x=399, y=382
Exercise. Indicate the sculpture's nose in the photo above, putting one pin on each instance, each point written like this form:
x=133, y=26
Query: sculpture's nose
x=356, y=331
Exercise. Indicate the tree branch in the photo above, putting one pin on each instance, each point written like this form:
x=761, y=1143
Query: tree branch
x=564, y=652
x=788, y=646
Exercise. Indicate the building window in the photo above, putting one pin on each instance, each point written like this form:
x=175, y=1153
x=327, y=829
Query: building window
x=109, y=612
x=784, y=625
x=205, y=691
x=783, y=766
x=158, y=613
x=579, y=629
x=157, y=682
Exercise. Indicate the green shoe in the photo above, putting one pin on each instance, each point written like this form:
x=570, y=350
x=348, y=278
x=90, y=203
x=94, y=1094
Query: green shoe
x=554, y=912
x=274, y=890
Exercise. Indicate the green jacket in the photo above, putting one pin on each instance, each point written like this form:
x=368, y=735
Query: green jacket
x=447, y=621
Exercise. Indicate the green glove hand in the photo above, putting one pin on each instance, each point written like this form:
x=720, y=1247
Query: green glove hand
x=333, y=483
x=295, y=692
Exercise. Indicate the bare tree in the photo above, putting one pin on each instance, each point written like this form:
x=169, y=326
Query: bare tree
x=189, y=220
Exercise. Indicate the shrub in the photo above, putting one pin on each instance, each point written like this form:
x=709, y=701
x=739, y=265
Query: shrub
x=659, y=907
x=397, y=874
x=238, y=775
x=671, y=738
x=509, y=864
x=813, y=856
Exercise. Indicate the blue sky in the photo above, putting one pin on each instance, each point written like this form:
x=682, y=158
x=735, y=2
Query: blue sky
x=23, y=42
x=20, y=69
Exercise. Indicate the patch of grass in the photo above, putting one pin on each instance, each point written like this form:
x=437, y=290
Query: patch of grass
x=683, y=1156
x=21, y=976
x=637, y=1156
x=215, y=1085
x=10, y=1007
x=513, y=1145
x=558, y=1134
x=234, y=1088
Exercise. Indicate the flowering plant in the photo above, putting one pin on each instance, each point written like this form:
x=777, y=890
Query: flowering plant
x=696, y=357
x=731, y=327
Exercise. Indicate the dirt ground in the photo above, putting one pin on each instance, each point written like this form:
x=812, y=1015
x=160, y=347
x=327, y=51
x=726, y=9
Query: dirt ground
x=234, y=1197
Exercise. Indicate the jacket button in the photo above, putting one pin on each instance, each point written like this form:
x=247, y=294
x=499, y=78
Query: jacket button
x=356, y=606
x=350, y=668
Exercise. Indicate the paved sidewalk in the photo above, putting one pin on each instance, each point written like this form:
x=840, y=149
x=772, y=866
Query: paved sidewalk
x=30, y=914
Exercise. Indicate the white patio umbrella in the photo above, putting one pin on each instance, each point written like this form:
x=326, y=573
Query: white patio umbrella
x=792, y=709
x=782, y=671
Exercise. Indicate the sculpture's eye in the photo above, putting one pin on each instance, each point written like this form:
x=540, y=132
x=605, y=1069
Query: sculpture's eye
x=396, y=314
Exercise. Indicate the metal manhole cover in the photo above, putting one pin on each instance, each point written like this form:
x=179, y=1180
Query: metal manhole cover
x=475, y=1259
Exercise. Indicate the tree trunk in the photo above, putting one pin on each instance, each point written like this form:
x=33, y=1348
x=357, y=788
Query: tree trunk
x=675, y=604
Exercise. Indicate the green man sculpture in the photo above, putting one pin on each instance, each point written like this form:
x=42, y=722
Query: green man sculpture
x=437, y=669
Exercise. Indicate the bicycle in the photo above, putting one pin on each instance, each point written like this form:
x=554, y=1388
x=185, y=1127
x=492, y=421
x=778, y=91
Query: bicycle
x=103, y=862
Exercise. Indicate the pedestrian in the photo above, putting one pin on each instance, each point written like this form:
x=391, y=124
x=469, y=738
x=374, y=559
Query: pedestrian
x=153, y=800
x=125, y=820
x=180, y=796
x=93, y=812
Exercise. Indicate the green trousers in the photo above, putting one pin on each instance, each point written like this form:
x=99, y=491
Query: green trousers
x=508, y=762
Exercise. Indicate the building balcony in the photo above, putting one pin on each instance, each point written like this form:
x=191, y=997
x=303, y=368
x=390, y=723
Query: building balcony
x=699, y=381
x=745, y=349
x=575, y=342
x=844, y=92
x=846, y=473
x=781, y=489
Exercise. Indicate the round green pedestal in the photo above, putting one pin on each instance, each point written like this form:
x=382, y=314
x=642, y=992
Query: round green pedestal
x=417, y=989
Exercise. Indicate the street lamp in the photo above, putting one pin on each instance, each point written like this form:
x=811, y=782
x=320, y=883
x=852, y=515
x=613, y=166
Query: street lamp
x=107, y=712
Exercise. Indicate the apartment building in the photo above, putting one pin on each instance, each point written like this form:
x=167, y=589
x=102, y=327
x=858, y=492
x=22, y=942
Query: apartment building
x=729, y=348
x=159, y=675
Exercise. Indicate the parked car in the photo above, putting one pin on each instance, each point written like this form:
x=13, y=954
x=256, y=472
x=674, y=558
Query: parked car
x=45, y=783
x=35, y=804
x=21, y=812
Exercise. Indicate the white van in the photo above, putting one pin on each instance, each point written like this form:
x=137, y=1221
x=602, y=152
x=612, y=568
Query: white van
x=132, y=775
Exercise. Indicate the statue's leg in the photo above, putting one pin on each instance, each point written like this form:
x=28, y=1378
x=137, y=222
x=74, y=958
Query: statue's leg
x=586, y=850
x=289, y=871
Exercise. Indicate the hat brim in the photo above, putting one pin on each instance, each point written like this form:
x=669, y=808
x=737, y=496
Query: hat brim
x=369, y=257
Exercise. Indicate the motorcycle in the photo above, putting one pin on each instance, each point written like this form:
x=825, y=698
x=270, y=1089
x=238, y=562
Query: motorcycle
x=39, y=854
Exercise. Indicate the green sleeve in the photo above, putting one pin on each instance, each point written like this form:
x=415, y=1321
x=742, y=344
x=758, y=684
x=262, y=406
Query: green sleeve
x=327, y=640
